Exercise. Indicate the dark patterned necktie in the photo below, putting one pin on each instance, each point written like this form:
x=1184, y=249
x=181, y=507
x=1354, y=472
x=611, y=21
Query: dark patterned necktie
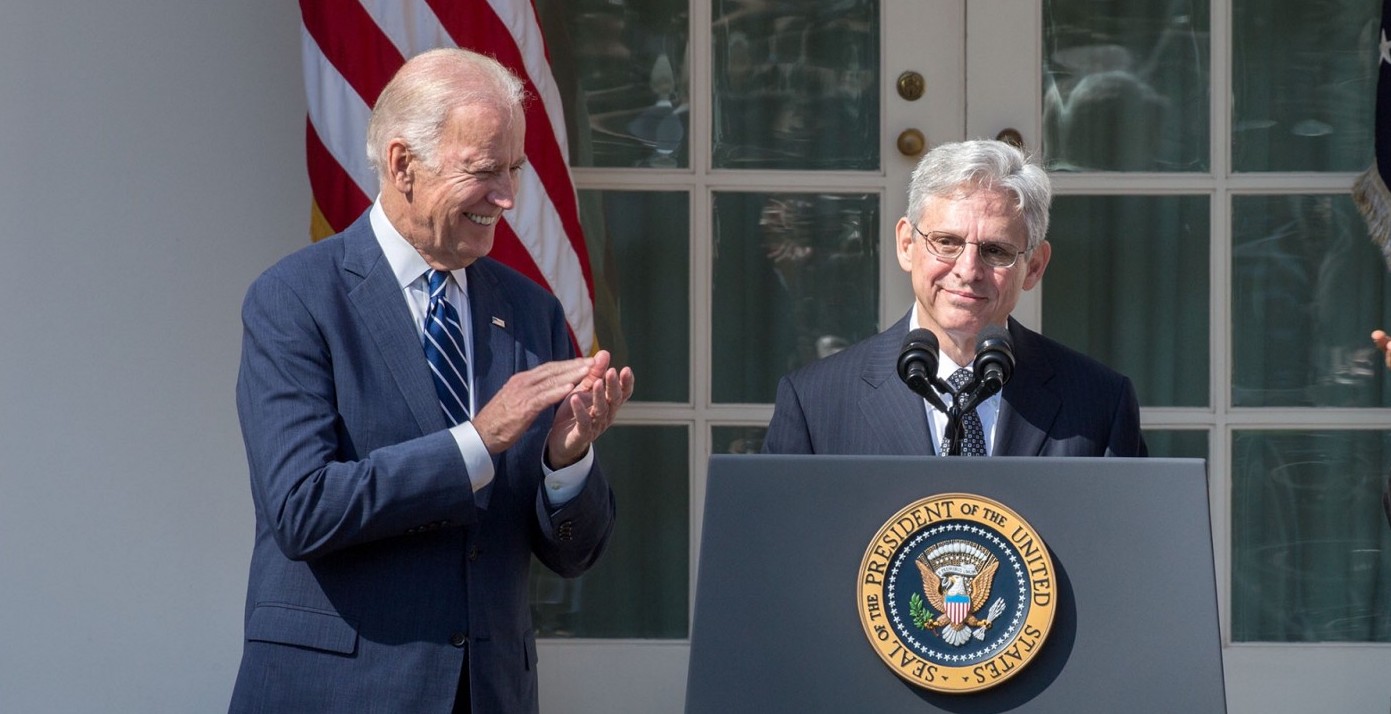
x=972, y=435
x=444, y=348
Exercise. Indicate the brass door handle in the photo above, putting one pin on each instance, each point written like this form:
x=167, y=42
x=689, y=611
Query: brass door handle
x=910, y=85
x=1011, y=137
x=911, y=142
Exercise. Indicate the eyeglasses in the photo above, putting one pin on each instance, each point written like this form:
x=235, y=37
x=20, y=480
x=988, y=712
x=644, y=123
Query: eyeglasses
x=948, y=247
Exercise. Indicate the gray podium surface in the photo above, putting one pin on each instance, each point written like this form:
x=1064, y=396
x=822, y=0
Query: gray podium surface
x=777, y=628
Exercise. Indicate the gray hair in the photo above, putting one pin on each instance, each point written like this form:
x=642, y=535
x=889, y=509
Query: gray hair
x=416, y=103
x=959, y=168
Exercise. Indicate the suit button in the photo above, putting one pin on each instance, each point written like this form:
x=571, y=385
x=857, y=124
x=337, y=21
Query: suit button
x=473, y=553
x=458, y=639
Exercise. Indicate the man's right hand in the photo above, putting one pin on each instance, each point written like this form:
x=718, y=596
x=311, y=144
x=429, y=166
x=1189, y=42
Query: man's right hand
x=503, y=420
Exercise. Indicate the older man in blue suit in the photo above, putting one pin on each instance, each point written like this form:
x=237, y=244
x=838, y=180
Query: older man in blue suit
x=972, y=242
x=417, y=427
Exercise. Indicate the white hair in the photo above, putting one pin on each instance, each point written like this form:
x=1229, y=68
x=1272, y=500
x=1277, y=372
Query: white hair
x=955, y=168
x=415, y=105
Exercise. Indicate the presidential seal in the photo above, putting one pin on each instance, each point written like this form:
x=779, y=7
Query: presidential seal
x=956, y=593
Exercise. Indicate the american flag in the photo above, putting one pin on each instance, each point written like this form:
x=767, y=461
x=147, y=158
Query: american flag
x=351, y=49
x=1370, y=192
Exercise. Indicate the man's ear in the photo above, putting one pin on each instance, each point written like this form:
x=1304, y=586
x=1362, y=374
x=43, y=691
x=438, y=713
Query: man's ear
x=903, y=244
x=1038, y=262
x=400, y=166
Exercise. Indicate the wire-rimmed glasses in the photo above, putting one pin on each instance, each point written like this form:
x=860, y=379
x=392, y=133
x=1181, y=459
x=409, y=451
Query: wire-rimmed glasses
x=949, y=247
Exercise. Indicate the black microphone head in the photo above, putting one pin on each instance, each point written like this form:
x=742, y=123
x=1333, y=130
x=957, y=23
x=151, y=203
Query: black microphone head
x=921, y=338
x=994, y=355
x=917, y=362
x=992, y=336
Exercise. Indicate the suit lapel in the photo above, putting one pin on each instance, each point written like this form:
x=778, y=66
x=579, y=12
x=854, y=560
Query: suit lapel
x=890, y=403
x=495, y=357
x=1028, y=406
x=382, y=310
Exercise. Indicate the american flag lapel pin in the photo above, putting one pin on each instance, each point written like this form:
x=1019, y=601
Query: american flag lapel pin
x=499, y=321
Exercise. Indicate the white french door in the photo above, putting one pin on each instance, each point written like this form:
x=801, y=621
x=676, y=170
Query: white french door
x=727, y=182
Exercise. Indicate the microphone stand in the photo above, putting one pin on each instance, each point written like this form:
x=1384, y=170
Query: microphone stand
x=922, y=379
x=962, y=403
x=991, y=368
x=951, y=436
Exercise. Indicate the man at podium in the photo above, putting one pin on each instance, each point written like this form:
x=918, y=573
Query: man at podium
x=983, y=384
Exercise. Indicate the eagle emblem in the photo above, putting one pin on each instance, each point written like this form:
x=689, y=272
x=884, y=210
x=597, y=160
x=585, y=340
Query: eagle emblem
x=980, y=604
x=957, y=575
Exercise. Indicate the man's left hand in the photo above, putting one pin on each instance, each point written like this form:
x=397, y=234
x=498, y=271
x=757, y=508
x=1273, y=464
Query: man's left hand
x=588, y=411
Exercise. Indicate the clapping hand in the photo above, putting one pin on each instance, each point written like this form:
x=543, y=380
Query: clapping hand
x=588, y=410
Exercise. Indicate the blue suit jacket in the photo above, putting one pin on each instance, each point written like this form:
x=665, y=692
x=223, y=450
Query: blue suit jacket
x=1058, y=403
x=375, y=569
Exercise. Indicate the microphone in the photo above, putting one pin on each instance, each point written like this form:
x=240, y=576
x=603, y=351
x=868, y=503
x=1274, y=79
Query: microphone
x=917, y=365
x=994, y=363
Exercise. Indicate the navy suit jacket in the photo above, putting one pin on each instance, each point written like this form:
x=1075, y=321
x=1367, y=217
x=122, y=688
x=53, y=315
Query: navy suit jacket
x=1058, y=403
x=376, y=570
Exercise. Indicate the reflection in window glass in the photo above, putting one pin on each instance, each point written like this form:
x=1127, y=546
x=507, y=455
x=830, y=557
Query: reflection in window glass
x=1302, y=75
x=622, y=70
x=1125, y=87
x=1308, y=287
x=737, y=439
x=796, y=277
x=795, y=85
x=1176, y=443
x=639, y=252
x=1128, y=285
x=639, y=586
x=1311, y=553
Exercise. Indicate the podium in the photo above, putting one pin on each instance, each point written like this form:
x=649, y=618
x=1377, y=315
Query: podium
x=777, y=626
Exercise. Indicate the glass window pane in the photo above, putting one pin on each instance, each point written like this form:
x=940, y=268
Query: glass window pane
x=796, y=277
x=737, y=439
x=796, y=84
x=1303, y=78
x=1176, y=443
x=1308, y=287
x=621, y=70
x=1311, y=551
x=1125, y=86
x=639, y=586
x=639, y=252
x=1128, y=285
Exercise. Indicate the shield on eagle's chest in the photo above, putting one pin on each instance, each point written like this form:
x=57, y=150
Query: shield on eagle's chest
x=958, y=606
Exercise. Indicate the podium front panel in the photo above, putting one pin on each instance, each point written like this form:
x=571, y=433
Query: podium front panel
x=777, y=627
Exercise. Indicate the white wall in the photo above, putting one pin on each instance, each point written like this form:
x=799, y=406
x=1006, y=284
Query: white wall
x=151, y=165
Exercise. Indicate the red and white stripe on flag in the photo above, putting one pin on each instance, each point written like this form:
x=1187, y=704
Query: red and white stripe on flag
x=352, y=48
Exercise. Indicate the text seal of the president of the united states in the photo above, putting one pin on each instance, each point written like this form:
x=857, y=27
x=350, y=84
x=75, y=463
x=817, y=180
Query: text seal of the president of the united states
x=956, y=593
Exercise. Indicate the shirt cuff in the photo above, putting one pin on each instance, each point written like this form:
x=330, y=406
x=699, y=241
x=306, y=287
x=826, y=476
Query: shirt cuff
x=564, y=484
x=477, y=460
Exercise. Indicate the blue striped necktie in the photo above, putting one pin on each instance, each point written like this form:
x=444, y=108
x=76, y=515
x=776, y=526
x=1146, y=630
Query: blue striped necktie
x=444, y=349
